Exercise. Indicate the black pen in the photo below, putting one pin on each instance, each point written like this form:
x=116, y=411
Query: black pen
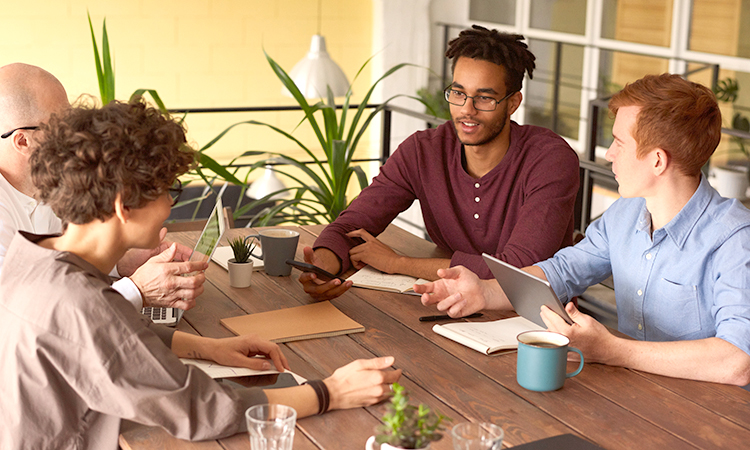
x=447, y=317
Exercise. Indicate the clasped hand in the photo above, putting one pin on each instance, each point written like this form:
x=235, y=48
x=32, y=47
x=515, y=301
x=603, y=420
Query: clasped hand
x=158, y=274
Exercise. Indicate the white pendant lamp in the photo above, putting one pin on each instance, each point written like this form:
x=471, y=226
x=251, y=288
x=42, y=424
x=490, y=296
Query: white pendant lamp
x=267, y=184
x=317, y=70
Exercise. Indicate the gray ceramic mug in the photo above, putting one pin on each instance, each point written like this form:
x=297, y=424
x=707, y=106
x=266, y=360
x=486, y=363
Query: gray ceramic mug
x=277, y=245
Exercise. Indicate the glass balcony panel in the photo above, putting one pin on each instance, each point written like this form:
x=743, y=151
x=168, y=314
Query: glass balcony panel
x=556, y=108
x=493, y=11
x=565, y=16
x=639, y=21
x=721, y=27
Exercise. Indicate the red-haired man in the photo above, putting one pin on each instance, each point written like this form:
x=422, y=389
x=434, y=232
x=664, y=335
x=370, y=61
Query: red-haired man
x=679, y=253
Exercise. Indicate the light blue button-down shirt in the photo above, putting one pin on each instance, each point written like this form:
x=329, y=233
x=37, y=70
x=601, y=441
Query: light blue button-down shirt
x=690, y=281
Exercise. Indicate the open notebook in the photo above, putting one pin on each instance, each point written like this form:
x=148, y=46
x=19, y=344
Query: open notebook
x=487, y=337
x=370, y=278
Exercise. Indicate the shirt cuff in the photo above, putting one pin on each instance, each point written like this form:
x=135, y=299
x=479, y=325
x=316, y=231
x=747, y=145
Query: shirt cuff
x=129, y=290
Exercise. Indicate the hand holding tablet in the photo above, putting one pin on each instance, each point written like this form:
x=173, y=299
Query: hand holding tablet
x=526, y=292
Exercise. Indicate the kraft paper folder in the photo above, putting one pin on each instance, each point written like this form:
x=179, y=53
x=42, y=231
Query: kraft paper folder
x=312, y=321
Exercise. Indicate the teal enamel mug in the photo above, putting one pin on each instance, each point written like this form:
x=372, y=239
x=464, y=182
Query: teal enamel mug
x=542, y=360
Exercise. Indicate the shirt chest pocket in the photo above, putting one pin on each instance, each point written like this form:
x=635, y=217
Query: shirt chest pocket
x=675, y=310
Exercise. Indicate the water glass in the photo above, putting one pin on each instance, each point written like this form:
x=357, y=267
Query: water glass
x=477, y=436
x=271, y=427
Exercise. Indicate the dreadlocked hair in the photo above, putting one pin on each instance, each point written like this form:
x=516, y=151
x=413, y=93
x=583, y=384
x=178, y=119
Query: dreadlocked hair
x=503, y=49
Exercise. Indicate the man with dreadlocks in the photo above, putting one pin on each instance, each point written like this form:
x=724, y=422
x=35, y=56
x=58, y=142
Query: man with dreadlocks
x=485, y=183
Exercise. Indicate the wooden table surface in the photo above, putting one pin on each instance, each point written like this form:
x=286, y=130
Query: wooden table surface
x=613, y=407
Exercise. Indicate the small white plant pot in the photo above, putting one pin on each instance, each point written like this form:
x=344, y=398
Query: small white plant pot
x=730, y=182
x=372, y=445
x=240, y=273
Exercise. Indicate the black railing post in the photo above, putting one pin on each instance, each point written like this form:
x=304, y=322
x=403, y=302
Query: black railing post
x=587, y=185
x=385, y=149
x=714, y=76
x=446, y=38
x=556, y=86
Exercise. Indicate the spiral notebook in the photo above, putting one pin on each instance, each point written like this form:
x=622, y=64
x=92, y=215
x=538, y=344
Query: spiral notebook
x=312, y=321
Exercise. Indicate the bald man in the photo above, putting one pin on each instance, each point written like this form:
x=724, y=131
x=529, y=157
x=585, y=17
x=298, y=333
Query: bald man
x=29, y=95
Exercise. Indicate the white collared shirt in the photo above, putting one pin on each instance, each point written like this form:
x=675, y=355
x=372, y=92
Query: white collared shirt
x=18, y=211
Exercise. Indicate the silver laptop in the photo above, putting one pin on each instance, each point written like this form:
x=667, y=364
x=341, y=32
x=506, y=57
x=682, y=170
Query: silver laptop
x=526, y=292
x=212, y=233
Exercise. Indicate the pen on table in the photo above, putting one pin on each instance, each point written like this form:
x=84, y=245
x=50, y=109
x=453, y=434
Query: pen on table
x=447, y=317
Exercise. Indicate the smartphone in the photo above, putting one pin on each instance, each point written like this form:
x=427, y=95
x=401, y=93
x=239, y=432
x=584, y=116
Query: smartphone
x=305, y=267
x=273, y=381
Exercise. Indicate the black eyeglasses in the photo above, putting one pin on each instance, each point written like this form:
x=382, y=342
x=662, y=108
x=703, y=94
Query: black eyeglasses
x=175, y=191
x=481, y=102
x=7, y=134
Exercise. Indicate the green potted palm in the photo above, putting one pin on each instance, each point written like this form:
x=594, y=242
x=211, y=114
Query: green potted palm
x=732, y=177
x=317, y=192
x=240, y=267
x=406, y=426
x=105, y=76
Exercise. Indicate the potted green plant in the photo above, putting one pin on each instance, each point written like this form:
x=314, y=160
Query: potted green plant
x=732, y=178
x=241, y=266
x=406, y=426
x=318, y=195
x=105, y=76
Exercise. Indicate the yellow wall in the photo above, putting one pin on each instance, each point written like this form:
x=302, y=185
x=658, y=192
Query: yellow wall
x=195, y=53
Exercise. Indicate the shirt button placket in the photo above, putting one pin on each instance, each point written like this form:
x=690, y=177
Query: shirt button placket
x=476, y=200
x=649, y=261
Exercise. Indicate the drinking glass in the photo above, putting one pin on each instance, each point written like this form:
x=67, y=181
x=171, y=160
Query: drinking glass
x=271, y=427
x=477, y=436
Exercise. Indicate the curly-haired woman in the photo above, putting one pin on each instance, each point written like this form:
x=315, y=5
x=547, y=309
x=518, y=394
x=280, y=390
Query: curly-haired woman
x=76, y=357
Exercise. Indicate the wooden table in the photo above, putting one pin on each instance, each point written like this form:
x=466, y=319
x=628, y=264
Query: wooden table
x=613, y=407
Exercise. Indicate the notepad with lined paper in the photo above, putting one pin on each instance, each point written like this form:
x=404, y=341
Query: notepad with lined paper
x=370, y=278
x=312, y=321
x=487, y=337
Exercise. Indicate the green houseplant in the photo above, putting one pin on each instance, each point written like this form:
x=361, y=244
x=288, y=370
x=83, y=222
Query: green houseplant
x=732, y=177
x=727, y=90
x=318, y=195
x=240, y=267
x=406, y=426
x=105, y=75
x=241, y=248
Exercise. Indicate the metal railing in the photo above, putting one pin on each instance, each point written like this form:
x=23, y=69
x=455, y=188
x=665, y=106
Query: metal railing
x=385, y=137
x=593, y=172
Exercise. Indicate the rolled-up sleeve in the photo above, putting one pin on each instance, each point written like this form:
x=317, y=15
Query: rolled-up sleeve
x=573, y=269
x=731, y=309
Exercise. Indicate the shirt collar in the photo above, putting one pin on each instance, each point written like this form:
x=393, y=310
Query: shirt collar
x=28, y=204
x=32, y=247
x=678, y=229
